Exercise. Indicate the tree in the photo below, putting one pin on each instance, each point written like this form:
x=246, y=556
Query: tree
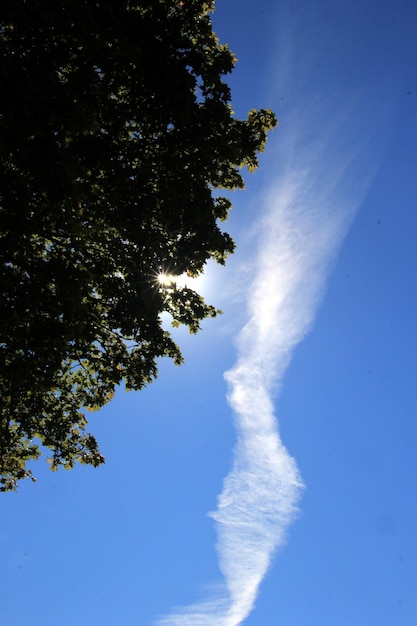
x=116, y=133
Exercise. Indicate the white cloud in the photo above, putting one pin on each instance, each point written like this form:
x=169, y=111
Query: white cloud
x=300, y=232
x=307, y=212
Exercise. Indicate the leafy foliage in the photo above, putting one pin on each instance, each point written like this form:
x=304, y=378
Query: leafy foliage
x=116, y=131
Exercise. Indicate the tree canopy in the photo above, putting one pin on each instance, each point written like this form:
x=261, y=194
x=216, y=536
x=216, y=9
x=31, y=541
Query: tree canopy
x=116, y=133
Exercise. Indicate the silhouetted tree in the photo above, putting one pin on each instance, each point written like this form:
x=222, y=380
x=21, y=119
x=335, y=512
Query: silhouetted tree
x=116, y=131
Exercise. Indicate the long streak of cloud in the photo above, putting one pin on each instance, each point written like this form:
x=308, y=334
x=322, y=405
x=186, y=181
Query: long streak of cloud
x=260, y=494
x=308, y=211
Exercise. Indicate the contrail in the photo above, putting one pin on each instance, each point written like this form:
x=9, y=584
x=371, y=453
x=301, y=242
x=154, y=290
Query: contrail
x=260, y=494
x=308, y=211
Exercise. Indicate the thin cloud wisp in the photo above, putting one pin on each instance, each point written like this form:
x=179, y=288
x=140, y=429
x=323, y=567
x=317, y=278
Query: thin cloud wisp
x=308, y=210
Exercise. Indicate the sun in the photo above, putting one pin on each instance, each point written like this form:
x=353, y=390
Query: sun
x=165, y=279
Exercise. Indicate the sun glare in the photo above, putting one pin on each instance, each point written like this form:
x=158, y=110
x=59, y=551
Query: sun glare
x=165, y=279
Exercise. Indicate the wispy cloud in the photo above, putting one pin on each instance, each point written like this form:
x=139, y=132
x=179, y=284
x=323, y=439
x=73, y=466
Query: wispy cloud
x=308, y=211
x=259, y=500
x=317, y=181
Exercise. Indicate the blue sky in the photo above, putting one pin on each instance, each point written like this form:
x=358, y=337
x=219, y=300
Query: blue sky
x=271, y=480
